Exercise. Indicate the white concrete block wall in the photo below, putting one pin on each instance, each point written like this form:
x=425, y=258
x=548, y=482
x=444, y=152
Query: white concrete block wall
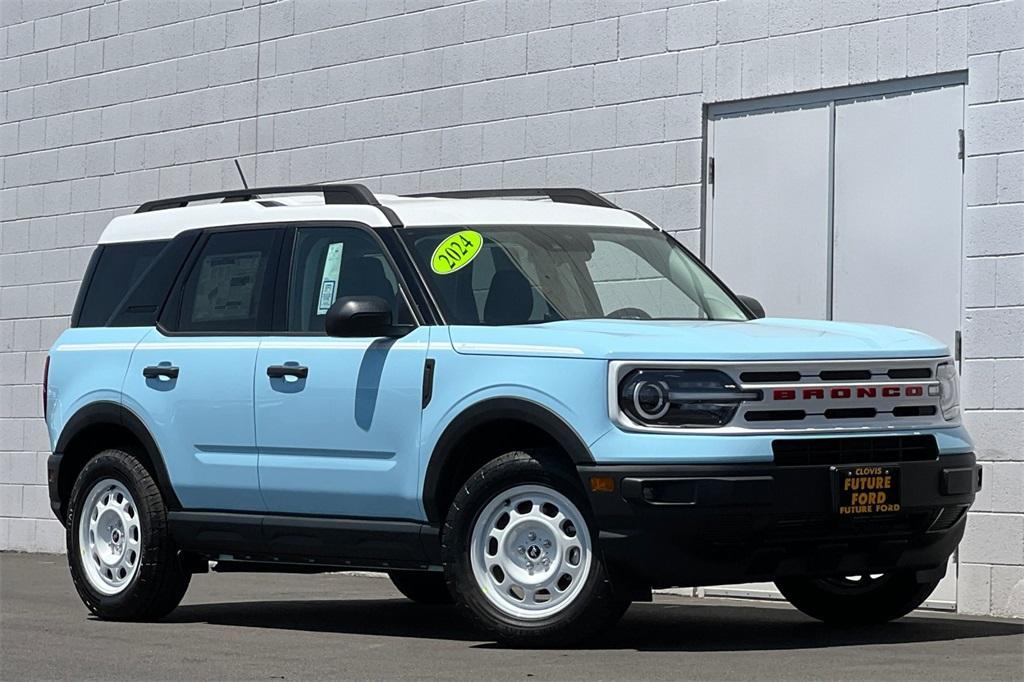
x=106, y=105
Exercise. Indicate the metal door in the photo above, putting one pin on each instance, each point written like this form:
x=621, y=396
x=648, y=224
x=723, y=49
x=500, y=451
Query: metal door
x=898, y=202
x=770, y=205
x=857, y=194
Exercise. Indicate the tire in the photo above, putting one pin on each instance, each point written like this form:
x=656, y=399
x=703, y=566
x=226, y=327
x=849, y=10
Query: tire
x=131, y=519
x=536, y=554
x=422, y=587
x=857, y=600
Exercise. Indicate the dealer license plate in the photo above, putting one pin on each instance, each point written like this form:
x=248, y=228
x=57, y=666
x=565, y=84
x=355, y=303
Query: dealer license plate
x=866, y=490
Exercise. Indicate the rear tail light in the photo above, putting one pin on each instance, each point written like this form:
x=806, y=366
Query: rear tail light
x=46, y=382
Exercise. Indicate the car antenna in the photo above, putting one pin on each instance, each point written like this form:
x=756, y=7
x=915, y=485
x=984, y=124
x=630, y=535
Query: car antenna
x=241, y=174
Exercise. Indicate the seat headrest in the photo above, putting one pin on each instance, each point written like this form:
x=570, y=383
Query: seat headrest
x=509, y=299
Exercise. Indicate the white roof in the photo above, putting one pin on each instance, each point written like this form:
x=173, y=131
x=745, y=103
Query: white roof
x=412, y=211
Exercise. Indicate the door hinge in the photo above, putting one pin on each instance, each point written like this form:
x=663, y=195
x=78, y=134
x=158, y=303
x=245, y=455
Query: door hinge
x=711, y=170
x=960, y=148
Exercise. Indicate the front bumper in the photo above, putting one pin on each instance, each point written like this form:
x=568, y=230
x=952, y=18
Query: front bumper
x=704, y=524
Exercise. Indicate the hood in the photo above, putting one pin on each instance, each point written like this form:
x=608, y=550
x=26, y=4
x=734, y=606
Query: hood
x=766, y=339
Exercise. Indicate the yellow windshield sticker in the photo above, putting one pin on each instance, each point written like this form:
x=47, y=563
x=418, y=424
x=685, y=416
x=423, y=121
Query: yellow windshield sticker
x=456, y=252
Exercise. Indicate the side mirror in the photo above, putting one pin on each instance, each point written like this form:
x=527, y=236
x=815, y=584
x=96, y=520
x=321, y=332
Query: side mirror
x=753, y=305
x=360, y=316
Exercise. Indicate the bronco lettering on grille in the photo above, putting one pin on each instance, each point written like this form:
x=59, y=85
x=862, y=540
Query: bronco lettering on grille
x=848, y=392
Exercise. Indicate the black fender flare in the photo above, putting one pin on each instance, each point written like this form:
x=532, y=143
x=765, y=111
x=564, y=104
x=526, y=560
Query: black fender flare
x=496, y=409
x=111, y=413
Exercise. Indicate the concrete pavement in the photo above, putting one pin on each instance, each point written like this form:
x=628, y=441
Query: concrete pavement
x=268, y=627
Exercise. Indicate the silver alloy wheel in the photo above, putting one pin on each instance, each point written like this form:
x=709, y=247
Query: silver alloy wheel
x=530, y=552
x=109, y=537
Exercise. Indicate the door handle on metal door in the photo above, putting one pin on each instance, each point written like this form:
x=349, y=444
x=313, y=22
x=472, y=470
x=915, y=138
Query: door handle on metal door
x=157, y=371
x=279, y=371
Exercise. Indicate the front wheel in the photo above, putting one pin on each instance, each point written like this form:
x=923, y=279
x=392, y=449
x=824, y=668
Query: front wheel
x=520, y=554
x=858, y=599
x=123, y=561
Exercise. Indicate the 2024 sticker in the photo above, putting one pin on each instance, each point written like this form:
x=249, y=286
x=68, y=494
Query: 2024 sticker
x=456, y=252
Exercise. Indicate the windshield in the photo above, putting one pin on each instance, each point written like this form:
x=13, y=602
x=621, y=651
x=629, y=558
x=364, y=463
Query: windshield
x=524, y=274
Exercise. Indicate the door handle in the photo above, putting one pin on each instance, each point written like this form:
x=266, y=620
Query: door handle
x=279, y=371
x=157, y=371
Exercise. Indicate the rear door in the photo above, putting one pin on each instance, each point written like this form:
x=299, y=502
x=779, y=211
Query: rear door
x=338, y=420
x=191, y=378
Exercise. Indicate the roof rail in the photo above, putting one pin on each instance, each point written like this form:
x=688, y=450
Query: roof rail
x=562, y=195
x=333, y=194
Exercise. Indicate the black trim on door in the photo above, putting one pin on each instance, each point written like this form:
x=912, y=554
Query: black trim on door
x=83, y=290
x=421, y=314
x=407, y=271
x=169, y=319
x=345, y=542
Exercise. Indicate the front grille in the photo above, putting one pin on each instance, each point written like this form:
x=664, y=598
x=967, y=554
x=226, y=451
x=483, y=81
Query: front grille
x=883, y=395
x=845, y=375
x=839, y=394
x=910, y=373
x=862, y=450
x=768, y=377
x=773, y=415
x=851, y=413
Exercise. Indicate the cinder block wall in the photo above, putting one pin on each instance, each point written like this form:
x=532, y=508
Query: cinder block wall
x=106, y=105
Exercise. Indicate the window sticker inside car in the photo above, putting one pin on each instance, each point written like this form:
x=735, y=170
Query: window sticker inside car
x=456, y=252
x=226, y=286
x=329, y=278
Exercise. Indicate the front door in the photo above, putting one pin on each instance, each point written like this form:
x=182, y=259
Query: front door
x=337, y=420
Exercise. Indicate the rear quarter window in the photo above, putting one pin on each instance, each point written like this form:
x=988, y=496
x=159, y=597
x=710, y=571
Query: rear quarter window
x=115, y=270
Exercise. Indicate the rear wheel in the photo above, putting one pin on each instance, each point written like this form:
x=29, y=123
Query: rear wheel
x=422, y=587
x=123, y=561
x=520, y=554
x=857, y=599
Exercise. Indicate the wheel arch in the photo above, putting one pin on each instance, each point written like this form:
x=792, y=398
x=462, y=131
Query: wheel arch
x=498, y=425
x=92, y=429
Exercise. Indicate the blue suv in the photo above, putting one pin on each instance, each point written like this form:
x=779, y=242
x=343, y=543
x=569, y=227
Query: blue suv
x=529, y=402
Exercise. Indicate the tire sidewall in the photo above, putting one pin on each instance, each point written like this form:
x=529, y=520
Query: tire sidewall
x=894, y=597
x=108, y=464
x=469, y=504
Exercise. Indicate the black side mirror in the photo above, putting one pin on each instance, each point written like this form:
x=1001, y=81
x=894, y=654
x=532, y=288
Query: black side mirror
x=753, y=305
x=361, y=316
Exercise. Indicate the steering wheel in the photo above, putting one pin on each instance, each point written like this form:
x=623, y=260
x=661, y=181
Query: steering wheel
x=629, y=314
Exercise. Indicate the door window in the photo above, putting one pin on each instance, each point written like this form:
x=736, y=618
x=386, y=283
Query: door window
x=230, y=287
x=329, y=263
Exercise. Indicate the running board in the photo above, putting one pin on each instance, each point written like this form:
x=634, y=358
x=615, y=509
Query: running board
x=312, y=541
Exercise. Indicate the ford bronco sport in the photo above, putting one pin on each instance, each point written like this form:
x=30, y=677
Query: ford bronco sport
x=539, y=408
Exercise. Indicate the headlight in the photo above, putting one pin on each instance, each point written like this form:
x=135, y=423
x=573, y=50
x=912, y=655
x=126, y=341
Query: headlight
x=681, y=398
x=949, y=390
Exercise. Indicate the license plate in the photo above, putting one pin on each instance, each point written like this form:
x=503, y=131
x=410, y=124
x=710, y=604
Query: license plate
x=866, y=490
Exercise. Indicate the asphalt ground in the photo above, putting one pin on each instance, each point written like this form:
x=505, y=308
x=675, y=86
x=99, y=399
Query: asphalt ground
x=337, y=626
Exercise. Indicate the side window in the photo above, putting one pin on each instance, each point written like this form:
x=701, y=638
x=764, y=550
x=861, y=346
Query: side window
x=331, y=262
x=118, y=268
x=230, y=286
